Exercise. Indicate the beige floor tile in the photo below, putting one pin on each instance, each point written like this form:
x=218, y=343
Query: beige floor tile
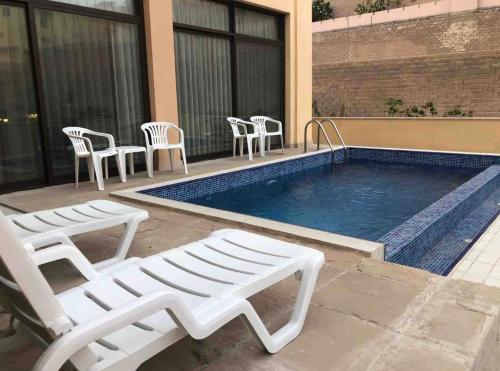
x=492, y=282
x=480, y=268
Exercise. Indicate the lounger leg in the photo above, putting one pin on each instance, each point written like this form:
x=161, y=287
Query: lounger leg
x=269, y=145
x=123, y=247
x=234, y=146
x=242, y=144
x=282, y=145
x=77, y=170
x=274, y=343
x=90, y=166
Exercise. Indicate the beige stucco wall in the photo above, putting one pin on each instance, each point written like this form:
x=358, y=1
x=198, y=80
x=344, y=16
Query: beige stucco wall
x=161, y=63
x=461, y=135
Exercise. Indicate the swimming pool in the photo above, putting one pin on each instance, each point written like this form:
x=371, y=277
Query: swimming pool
x=361, y=199
x=423, y=208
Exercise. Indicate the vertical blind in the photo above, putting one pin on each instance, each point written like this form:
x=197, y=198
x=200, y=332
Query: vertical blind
x=249, y=22
x=260, y=80
x=119, y=6
x=20, y=146
x=204, y=91
x=202, y=13
x=207, y=62
x=91, y=78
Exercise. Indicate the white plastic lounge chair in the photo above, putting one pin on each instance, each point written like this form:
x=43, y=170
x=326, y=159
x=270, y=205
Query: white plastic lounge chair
x=156, y=134
x=43, y=228
x=267, y=132
x=83, y=149
x=240, y=134
x=139, y=307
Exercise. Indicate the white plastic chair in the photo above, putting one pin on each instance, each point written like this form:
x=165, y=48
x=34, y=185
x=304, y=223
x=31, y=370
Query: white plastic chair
x=156, y=134
x=267, y=132
x=40, y=229
x=135, y=309
x=240, y=134
x=83, y=149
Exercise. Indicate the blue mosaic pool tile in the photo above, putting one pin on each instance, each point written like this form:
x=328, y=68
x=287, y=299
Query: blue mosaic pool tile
x=443, y=256
x=423, y=158
x=219, y=183
x=409, y=242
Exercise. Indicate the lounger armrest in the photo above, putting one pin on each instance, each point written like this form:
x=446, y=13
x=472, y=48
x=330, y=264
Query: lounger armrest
x=65, y=252
x=82, y=335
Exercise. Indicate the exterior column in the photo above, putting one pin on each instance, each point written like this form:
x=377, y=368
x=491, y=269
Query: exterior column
x=158, y=22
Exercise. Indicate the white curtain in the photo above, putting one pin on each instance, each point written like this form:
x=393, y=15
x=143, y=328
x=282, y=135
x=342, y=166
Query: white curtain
x=92, y=78
x=20, y=147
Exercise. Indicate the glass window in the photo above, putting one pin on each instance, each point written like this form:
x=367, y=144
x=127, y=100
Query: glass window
x=260, y=80
x=91, y=78
x=119, y=6
x=204, y=92
x=257, y=24
x=20, y=146
x=202, y=13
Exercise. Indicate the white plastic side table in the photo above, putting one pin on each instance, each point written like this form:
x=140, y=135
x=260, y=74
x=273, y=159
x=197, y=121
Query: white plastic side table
x=122, y=154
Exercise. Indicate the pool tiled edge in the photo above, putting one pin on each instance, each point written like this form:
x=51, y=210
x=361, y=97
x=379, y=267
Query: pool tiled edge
x=409, y=242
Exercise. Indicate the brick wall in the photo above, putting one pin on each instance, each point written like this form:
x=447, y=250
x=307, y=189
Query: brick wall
x=345, y=8
x=451, y=60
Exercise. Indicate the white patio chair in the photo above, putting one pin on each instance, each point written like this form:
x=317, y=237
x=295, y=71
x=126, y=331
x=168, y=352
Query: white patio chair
x=267, y=132
x=240, y=134
x=137, y=308
x=156, y=134
x=83, y=149
x=40, y=229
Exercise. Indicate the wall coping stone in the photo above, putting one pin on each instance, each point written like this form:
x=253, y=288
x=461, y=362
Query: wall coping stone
x=433, y=8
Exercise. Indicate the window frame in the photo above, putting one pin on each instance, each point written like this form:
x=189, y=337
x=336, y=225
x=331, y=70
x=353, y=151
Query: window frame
x=235, y=38
x=30, y=6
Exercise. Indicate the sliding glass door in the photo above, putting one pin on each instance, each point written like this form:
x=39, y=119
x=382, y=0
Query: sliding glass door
x=66, y=63
x=229, y=62
x=21, y=157
x=204, y=91
x=91, y=78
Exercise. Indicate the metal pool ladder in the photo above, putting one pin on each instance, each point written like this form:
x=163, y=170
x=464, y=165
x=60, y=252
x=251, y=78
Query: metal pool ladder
x=321, y=129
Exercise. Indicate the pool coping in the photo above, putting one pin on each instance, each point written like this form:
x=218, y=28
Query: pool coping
x=374, y=250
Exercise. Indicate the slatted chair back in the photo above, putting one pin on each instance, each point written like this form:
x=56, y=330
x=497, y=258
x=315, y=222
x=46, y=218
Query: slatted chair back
x=261, y=121
x=25, y=292
x=156, y=134
x=79, y=145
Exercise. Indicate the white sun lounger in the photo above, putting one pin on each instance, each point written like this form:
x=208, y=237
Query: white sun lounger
x=42, y=228
x=139, y=307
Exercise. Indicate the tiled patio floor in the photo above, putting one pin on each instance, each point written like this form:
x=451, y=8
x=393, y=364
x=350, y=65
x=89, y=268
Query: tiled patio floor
x=482, y=263
x=365, y=315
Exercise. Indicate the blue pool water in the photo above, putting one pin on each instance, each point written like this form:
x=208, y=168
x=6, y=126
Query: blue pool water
x=364, y=200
